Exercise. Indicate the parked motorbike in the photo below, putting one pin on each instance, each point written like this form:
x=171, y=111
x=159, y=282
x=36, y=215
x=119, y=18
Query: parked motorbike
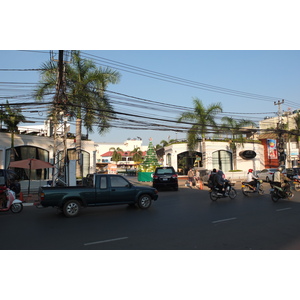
x=280, y=193
x=249, y=190
x=8, y=201
x=296, y=182
x=215, y=193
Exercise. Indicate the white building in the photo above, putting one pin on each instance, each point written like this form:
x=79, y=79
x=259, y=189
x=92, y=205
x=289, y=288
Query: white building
x=40, y=147
x=127, y=146
x=218, y=155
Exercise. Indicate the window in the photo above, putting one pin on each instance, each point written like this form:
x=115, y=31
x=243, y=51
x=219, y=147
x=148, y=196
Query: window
x=222, y=160
x=117, y=181
x=24, y=152
x=103, y=182
x=165, y=171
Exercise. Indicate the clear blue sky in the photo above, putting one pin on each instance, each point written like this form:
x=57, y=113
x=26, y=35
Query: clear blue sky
x=264, y=73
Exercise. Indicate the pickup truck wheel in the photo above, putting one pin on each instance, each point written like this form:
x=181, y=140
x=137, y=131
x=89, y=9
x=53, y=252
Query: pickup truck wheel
x=144, y=201
x=71, y=208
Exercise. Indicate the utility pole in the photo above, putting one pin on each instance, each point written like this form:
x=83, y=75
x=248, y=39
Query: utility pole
x=60, y=121
x=57, y=101
x=280, y=146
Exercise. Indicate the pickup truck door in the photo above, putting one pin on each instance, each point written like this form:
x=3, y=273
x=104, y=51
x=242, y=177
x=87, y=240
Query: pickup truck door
x=121, y=190
x=102, y=190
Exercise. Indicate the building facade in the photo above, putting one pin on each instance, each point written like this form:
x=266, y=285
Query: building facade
x=42, y=147
x=218, y=155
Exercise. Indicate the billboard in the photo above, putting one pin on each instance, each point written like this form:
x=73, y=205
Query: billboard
x=272, y=149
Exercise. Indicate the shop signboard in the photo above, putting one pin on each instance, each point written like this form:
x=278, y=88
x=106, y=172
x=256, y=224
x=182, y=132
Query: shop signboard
x=248, y=154
x=272, y=149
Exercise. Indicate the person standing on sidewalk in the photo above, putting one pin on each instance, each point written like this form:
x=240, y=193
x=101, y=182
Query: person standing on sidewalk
x=191, y=176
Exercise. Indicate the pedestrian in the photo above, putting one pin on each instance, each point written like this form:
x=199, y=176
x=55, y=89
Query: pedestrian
x=191, y=176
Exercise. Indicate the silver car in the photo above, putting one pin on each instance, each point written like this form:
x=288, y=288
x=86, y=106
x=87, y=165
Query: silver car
x=266, y=174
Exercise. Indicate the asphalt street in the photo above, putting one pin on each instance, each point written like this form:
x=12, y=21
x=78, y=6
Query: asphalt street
x=183, y=220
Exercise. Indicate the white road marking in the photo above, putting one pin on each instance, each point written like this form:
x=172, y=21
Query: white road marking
x=223, y=220
x=283, y=209
x=105, y=241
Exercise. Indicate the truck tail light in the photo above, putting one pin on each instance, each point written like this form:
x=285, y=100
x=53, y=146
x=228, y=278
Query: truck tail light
x=41, y=196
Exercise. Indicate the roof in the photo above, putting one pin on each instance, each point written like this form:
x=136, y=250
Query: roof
x=265, y=136
x=128, y=153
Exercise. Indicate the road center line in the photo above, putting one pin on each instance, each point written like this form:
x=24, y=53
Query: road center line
x=223, y=220
x=106, y=241
x=281, y=209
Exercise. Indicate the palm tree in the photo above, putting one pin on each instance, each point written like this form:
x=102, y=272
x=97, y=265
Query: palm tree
x=85, y=94
x=137, y=154
x=234, y=128
x=164, y=143
x=202, y=118
x=117, y=156
x=12, y=118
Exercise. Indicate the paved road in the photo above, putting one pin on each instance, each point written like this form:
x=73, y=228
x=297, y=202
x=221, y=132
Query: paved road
x=181, y=220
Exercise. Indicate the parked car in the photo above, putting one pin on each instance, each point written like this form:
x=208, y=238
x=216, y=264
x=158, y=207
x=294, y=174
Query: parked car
x=165, y=177
x=291, y=172
x=256, y=173
x=266, y=174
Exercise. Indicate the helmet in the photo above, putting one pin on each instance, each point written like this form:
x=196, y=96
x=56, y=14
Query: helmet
x=279, y=169
x=250, y=170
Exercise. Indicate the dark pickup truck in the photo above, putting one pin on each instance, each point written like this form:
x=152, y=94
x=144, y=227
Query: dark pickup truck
x=103, y=190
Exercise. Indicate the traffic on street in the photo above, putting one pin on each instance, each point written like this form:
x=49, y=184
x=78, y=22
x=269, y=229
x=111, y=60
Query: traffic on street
x=186, y=219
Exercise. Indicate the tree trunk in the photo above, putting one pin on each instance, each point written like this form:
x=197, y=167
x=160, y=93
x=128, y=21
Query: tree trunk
x=234, y=158
x=204, y=158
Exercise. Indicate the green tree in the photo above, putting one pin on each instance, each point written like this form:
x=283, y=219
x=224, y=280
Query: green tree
x=234, y=128
x=137, y=154
x=117, y=154
x=11, y=118
x=164, y=143
x=85, y=93
x=202, y=118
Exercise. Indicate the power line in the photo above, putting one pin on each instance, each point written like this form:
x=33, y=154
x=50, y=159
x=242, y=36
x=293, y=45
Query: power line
x=178, y=80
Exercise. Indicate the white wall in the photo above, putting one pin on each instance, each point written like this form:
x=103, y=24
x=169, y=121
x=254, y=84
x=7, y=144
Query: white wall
x=211, y=146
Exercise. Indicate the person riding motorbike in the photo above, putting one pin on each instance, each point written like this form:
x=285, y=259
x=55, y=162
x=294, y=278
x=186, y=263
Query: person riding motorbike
x=280, y=179
x=252, y=179
x=210, y=180
x=220, y=182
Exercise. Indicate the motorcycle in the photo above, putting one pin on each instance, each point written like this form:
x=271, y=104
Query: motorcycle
x=9, y=201
x=215, y=193
x=280, y=193
x=296, y=182
x=248, y=189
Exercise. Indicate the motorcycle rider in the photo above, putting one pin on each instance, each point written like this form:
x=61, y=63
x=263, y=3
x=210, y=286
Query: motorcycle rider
x=279, y=180
x=210, y=180
x=252, y=179
x=220, y=182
